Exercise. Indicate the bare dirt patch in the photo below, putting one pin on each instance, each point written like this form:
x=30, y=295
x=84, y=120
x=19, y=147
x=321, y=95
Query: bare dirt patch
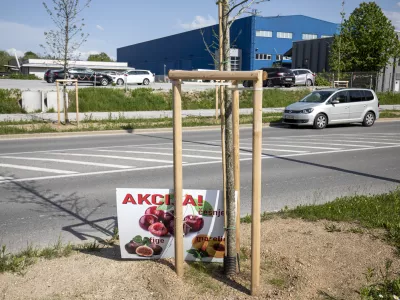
x=300, y=260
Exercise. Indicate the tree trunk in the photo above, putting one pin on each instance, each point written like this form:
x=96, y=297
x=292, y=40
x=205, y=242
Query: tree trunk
x=230, y=259
x=394, y=74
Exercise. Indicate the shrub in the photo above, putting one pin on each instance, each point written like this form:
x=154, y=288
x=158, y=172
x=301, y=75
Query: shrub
x=9, y=101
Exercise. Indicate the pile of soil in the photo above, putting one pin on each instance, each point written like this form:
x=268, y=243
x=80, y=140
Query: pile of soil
x=299, y=260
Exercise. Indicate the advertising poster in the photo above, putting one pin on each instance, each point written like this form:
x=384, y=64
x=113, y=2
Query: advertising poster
x=146, y=224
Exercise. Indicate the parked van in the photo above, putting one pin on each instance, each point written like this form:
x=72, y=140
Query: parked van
x=334, y=106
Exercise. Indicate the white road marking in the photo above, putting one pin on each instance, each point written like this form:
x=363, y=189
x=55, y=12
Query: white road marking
x=6, y=178
x=210, y=151
x=67, y=161
x=297, y=146
x=325, y=143
x=188, y=165
x=158, y=153
x=37, y=169
x=115, y=157
x=326, y=140
x=277, y=150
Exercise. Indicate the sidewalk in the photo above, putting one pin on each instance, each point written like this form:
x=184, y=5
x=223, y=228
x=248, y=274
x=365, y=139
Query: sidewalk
x=141, y=114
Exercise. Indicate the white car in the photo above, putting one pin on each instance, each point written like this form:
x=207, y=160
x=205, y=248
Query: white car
x=304, y=77
x=139, y=77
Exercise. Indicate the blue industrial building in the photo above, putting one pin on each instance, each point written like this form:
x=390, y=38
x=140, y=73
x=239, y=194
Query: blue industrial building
x=257, y=42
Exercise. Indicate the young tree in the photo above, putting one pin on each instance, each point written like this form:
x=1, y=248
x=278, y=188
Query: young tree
x=368, y=40
x=231, y=11
x=64, y=42
x=99, y=57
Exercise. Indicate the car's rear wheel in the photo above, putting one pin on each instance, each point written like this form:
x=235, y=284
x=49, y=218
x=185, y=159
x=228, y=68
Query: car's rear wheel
x=369, y=119
x=104, y=82
x=320, y=121
x=309, y=82
x=120, y=82
x=50, y=80
x=146, y=81
x=269, y=83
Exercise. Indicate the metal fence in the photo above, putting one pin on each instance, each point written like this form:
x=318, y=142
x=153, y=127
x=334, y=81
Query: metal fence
x=354, y=79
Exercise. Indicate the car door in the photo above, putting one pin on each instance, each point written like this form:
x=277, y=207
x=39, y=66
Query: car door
x=339, y=112
x=301, y=79
x=357, y=104
x=130, y=77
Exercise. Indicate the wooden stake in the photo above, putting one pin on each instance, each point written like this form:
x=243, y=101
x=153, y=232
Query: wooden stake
x=236, y=160
x=58, y=104
x=216, y=101
x=77, y=102
x=256, y=186
x=177, y=133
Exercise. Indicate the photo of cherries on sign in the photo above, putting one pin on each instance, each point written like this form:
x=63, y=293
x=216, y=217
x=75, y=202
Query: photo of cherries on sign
x=159, y=220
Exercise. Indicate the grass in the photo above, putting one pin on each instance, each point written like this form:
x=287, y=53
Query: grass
x=18, y=262
x=9, y=101
x=123, y=124
x=21, y=76
x=389, y=114
x=371, y=211
x=389, y=98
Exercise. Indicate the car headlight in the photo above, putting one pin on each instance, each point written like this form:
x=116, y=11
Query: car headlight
x=307, y=110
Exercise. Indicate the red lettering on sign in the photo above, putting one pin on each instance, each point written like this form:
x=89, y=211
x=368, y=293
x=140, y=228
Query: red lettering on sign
x=189, y=200
x=144, y=198
x=167, y=200
x=154, y=199
x=200, y=200
x=129, y=199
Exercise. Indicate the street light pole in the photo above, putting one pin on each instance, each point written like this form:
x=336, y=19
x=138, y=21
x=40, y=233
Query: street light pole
x=164, y=72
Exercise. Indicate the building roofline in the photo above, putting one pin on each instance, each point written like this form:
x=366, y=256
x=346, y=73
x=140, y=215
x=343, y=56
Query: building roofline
x=288, y=16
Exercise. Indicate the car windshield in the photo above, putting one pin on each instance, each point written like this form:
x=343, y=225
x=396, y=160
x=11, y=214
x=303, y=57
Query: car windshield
x=317, y=97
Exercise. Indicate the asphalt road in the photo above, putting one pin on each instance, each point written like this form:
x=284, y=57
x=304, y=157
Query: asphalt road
x=65, y=186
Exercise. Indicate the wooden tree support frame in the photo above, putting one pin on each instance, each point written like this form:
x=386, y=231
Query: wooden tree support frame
x=76, y=98
x=257, y=78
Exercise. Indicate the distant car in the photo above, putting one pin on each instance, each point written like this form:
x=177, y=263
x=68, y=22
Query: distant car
x=334, y=106
x=52, y=75
x=88, y=75
x=276, y=76
x=139, y=77
x=304, y=77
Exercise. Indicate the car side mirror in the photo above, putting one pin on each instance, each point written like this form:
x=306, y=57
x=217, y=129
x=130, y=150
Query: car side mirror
x=335, y=102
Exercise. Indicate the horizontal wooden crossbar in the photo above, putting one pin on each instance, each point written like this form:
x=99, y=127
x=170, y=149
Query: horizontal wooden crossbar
x=213, y=75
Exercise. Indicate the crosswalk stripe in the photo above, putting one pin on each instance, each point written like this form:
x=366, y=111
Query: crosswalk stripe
x=368, y=142
x=278, y=150
x=37, y=169
x=296, y=146
x=325, y=143
x=158, y=153
x=113, y=156
x=67, y=161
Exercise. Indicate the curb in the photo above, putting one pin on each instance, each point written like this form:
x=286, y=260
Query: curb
x=134, y=131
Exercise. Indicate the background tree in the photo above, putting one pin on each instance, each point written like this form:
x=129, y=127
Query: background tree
x=64, y=42
x=368, y=41
x=99, y=57
x=4, y=58
x=30, y=55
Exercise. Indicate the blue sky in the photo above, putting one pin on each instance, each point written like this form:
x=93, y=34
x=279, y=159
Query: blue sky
x=117, y=23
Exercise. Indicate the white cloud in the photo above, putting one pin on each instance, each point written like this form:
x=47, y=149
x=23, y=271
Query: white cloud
x=12, y=51
x=99, y=27
x=198, y=22
x=398, y=4
x=394, y=16
x=21, y=36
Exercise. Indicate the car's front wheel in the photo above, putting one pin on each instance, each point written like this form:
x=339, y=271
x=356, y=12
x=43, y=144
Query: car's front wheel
x=120, y=82
x=320, y=121
x=369, y=119
x=104, y=82
x=269, y=83
x=146, y=81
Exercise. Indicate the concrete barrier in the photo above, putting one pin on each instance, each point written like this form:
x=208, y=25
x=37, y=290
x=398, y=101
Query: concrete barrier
x=32, y=101
x=52, y=101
